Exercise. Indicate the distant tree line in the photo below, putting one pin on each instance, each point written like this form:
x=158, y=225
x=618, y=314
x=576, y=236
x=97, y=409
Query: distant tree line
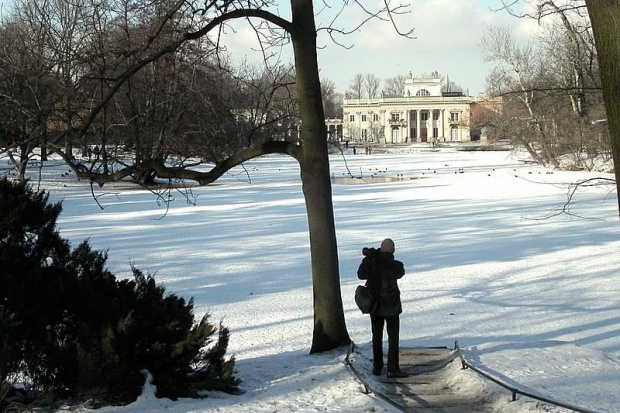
x=370, y=86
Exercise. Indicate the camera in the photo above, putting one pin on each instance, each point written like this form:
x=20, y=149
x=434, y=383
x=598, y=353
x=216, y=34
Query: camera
x=370, y=252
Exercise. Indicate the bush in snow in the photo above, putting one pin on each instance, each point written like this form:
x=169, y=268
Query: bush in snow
x=70, y=329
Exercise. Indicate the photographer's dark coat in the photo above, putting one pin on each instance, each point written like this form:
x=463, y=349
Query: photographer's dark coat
x=381, y=272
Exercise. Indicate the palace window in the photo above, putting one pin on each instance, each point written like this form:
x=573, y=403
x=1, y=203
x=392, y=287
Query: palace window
x=375, y=117
x=454, y=116
x=364, y=134
x=423, y=92
x=424, y=116
x=435, y=132
x=396, y=117
x=435, y=115
x=363, y=118
x=351, y=118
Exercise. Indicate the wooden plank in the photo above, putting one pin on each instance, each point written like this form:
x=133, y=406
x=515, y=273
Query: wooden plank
x=450, y=409
x=451, y=402
x=430, y=376
x=426, y=391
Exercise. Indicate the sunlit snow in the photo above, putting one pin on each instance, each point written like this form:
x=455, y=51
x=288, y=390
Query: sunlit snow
x=533, y=297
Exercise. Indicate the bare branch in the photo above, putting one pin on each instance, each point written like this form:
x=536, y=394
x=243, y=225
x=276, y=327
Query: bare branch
x=386, y=13
x=181, y=172
x=571, y=192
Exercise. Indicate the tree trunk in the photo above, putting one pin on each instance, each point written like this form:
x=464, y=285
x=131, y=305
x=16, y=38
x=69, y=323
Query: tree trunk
x=330, y=329
x=44, y=146
x=605, y=18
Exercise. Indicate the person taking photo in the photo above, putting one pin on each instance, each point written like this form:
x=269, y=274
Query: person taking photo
x=381, y=272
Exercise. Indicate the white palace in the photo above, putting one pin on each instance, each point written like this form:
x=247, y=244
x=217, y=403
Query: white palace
x=422, y=114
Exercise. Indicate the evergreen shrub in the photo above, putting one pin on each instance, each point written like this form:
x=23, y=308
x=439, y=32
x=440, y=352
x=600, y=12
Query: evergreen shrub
x=70, y=330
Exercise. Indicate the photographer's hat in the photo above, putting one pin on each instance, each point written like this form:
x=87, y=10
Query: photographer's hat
x=387, y=245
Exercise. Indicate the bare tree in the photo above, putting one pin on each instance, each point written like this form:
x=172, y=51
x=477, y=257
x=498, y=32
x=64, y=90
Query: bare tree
x=20, y=123
x=30, y=96
x=330, y=99
x=522, y=72
x=356, y=87
x=269, y=104
x=579, y=54
x=448, y=85
x=395, y=86
x=371, y=85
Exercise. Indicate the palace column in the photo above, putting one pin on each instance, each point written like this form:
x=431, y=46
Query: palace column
x=431, y=118
x=408, y=132
x=385, y=125
x=417, y=130
x=442, y=134
x=437, y=124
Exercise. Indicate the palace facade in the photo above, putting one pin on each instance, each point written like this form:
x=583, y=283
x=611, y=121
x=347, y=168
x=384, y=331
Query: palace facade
x=424, y=113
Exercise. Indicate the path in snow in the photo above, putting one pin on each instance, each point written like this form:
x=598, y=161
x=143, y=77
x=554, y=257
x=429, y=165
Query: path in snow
x=435, y=384
x=428, y=386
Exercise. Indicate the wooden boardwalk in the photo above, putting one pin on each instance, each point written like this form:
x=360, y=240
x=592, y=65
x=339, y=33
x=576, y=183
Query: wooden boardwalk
x=428, y=388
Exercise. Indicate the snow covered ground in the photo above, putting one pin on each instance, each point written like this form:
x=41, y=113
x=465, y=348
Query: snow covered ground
x=532, y=297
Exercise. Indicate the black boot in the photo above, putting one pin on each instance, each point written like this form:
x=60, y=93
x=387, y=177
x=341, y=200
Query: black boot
x=397, y=374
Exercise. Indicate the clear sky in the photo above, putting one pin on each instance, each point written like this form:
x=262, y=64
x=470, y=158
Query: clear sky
x=447, y=36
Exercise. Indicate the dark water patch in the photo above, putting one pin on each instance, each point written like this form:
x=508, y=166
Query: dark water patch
x=354, y=180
